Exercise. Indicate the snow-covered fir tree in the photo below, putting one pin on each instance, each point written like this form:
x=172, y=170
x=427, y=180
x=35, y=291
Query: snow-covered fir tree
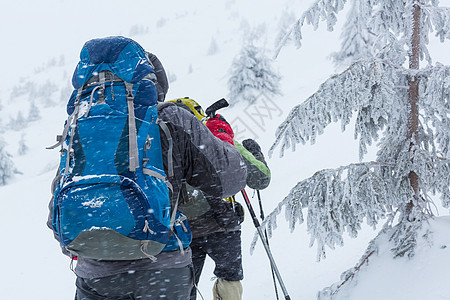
x=33, y=113
x=23, y=148
x=251, y=75
x=138, y=29
x=213, y=47
x=161, y=22
x=7, y=167
x=406, y=110
x=18, y=123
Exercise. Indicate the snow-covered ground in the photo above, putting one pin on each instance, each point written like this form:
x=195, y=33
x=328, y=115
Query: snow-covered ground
x=41, y=44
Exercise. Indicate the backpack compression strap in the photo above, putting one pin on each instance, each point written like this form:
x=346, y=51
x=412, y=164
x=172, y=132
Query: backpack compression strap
x=177, y=221
x=69, y=122
x=72, y=132
x=101, y=78
x=72, y=121
x=132, y=135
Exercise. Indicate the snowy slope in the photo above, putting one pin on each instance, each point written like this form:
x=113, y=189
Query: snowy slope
x=424, y=277
x=44, y=41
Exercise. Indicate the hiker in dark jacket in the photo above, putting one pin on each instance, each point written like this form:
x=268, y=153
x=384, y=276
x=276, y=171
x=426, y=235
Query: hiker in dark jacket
x=200, y=159
x=215, y=222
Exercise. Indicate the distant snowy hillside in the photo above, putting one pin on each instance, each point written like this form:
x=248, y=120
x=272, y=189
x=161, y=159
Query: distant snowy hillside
x=42, y=40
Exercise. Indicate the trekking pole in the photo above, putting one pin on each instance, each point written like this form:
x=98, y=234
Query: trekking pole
x=261, y=215
x=266, y=246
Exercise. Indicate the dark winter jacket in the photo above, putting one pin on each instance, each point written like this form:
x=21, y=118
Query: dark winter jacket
x=201, y=160
x=207, y=213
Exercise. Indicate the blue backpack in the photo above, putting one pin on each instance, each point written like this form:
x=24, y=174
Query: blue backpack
x=111, y=197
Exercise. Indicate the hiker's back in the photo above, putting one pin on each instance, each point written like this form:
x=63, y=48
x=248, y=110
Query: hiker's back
x=103, y=178
x=112, y=197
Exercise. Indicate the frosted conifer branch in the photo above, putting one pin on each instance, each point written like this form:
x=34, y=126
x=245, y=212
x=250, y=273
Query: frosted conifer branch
x=380, y=18
x=440, y=19
x=435, y=87
x=357, y=37
x=319, y=10
x=379, y=92
x=366, y=88
x=338, y=201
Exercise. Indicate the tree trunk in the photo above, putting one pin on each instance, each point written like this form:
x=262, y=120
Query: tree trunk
x=413, y=96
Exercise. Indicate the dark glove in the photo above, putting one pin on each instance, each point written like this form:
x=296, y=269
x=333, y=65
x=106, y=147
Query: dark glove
x=230, y=216
x=256, y=178
x=220, y=128
x=239, y=211
x=254, y=148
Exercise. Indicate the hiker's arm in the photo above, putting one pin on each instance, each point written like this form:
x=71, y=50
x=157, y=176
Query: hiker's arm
x=219, y=159
x=258, y=173
x=209, y=164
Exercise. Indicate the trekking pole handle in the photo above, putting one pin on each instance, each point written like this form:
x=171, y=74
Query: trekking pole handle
x=211, y=110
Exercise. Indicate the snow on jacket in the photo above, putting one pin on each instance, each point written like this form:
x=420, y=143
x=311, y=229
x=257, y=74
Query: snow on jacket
x=208, y=213
x=203, y=161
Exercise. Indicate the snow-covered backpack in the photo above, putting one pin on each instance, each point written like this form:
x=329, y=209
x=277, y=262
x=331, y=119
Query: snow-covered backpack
x=111, y=199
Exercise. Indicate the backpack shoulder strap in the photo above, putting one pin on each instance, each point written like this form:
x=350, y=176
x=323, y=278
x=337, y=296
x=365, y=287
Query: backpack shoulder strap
x=166, y=131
